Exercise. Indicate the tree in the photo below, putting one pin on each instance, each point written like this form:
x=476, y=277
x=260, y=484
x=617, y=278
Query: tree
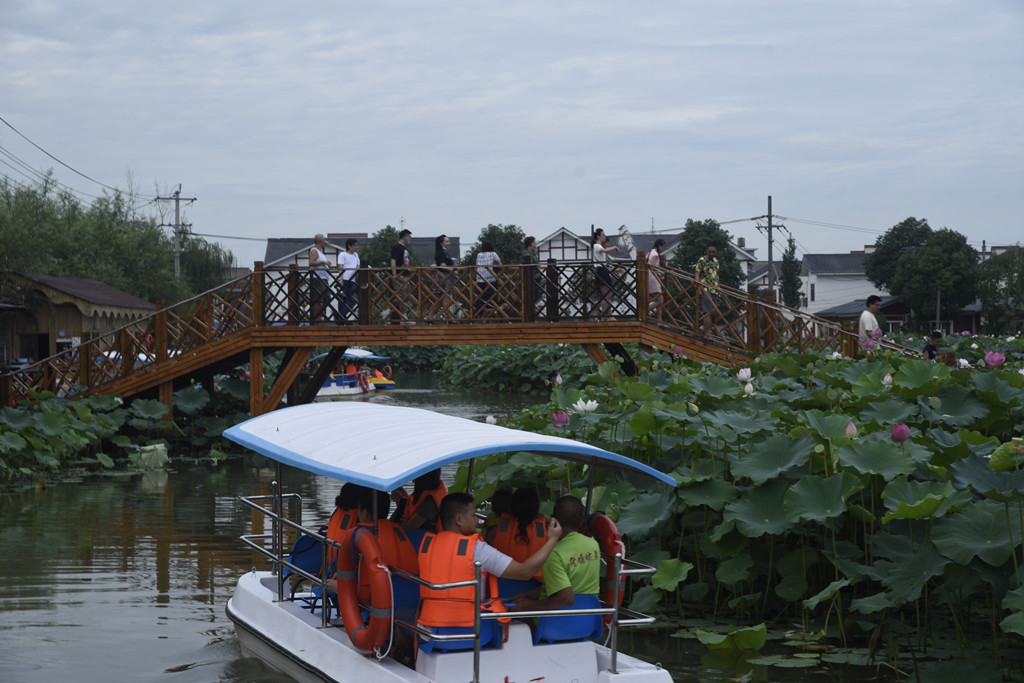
x=1002, y=291
x=377, y=253
x=789, y=284
x=944, y=270
x=881, y=265
x=508, y=243
x=693, y=243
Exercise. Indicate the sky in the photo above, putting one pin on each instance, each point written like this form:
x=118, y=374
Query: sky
x=289, y=119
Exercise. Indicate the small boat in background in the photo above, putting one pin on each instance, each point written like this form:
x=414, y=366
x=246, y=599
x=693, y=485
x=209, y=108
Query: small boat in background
x=354, y=375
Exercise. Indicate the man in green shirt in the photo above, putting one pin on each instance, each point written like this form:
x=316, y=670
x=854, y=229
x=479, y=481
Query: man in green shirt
x=574, y=566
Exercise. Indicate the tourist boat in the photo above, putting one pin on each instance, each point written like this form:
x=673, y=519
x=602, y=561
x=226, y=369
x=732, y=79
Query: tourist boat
x=385, y=447
x=340, y=384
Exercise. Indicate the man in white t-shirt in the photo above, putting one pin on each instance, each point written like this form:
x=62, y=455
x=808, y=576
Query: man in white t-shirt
x=868, y=321
x=348, y=263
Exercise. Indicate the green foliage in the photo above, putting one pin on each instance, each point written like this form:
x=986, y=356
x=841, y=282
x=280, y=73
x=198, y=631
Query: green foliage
x=693, y=243
x=508, y=243
x=944, y=268
x=790, y=283
x=1002, y=291
x=907, y=236
x=50, y=232
x=514, y=368
x=409, y=358
x=377, y=252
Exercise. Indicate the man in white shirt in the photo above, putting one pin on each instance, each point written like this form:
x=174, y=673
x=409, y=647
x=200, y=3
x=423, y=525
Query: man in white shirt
x=348, y=263
x=868, y=321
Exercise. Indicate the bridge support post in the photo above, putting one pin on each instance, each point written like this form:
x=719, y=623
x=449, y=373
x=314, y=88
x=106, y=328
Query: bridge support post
x=551, y=304
x=256, y=381
x=643, y=294
x=259, y=284
x=754, y=342
x=85, y=353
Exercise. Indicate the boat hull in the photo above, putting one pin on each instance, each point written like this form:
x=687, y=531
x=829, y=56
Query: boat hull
x=290, y=639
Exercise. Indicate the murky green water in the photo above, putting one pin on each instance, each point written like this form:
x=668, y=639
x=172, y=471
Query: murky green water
x=125, y=578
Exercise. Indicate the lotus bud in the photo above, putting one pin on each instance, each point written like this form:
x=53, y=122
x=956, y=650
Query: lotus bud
x=749, y=389
x=491, y=420
x=963, y=363
x=836, y=355
x=887, y=380
x=900, y=433
x=851, y=430
x=743, y=375
x=869, y=344
x=692, y=407
x=677, y=351
x=994, y=358
x=559, y=419
x=877, y=332
x=974, y=346
x=558, y=380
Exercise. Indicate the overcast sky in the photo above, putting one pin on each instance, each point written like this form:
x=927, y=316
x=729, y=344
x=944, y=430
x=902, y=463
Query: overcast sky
x=288, y=119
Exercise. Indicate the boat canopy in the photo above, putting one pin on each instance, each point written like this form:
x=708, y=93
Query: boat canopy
x=384, y=447
x=357, y=354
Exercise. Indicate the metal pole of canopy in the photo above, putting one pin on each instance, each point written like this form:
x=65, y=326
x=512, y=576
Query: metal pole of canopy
x=277, y=505
x=469, y=476
x=615, y=617
x=478, y=591
x=590, y=489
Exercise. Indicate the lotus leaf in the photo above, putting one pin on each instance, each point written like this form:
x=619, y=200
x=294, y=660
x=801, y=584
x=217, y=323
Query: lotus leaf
x=714, y=493
x=699, y=470
x=873, y=456
x=1014, y=601
x=11, y=442
x=644, y=599
x=975, y=670
x=736, y=569
x=906, y=499
x=148, y=409
x=760, y=511
x=976, y=472
x=716, y=386
x=783, y=662
x=828, y=426
x=45, y=459
x=997, y=390
x=771, y=457
x=826, y=594
x=636, y=391
x=872, y=603
x=695, y=592
x=1009, y=456
x=959, y=407
x=645, y=513
x=50, y=423
x=650, y=554
x=15, y=419
x=191, y=400
x=104, y=460
x=818, y=499
x=979, y=530
x=887, y=411
x=907, y=577
x=791, y=588
x=670, y=573
x=919, y=377
x=750, y=638
x=742, y=423
x=797, y=561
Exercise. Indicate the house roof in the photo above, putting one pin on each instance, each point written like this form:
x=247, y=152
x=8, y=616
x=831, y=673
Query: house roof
x=759, y=269
x=854, y=308
x=88, y=290
x=833, y=264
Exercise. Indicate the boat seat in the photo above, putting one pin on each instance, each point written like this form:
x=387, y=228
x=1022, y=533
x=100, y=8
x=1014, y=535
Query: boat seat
x=510, y=587
x=306, y=554
x=490, y=636
x=571, y=627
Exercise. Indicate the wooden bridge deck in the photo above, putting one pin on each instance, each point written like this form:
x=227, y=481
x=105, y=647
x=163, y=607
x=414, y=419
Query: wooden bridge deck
x=268, y=311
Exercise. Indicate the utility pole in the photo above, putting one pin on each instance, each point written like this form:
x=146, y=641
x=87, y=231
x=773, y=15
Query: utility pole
x=771, y=265
x=178, y=228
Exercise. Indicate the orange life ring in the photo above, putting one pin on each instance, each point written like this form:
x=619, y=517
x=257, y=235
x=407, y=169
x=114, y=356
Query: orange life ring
x=363, y=383
x=387, y=371
x=608, y=537
x=366, y=637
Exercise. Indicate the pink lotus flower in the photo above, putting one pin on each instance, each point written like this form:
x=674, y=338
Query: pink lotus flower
x=869, y=344
x=743, y=375
x=558, y=380
x=900, y=433
x=560, y=419
x=994, y=358
x=851, y=430
x=877, y=332
x=677, y=351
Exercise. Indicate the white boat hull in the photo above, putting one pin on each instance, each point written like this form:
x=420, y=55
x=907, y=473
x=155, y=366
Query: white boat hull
x=336, y=386
x=291, y=640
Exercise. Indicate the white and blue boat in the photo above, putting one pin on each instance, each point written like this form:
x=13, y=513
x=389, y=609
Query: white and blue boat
x=386, y=447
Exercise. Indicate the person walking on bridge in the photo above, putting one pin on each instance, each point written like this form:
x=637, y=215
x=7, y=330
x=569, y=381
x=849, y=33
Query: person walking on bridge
x=319, y=280
x=707, y=274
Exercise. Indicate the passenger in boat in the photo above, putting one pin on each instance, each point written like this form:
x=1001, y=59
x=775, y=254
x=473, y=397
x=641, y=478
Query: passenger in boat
x=523, y=532
x=420, y=510
x=345, y=516
x=348, y=262
x=501, y=505
x=602, y=278
x=395, y=545
x=574, y=566
x=446, y=557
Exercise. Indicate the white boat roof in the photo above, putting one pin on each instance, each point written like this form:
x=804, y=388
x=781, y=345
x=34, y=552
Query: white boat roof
x=384, y=447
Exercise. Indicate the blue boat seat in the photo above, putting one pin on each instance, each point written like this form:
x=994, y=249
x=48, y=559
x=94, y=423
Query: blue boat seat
x=490, y=636
x=571, y=627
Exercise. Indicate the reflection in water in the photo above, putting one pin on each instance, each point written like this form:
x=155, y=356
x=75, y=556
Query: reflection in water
x=126, y=577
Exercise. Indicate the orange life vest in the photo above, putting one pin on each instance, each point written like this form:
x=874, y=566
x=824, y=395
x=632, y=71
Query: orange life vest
x=508, y=541
x=411, y=506
x=341, y=521
x=350, y=369
x=397, y=550
x=447, y=557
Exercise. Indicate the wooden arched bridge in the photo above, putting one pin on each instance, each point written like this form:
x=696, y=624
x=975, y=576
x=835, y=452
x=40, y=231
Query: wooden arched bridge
x=270, y=310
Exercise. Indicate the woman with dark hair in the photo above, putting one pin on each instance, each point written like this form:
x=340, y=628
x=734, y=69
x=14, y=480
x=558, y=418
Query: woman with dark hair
x=346, y=515
x=486, y=277
x=444, y=276
x=420, y=510
x=530, y=527
x=602, y=278
x=654, y=287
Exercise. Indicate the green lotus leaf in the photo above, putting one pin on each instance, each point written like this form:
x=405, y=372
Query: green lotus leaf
x=750, y=638
x=797, y=561
x=645, y=513
x=11, y=442
x=714, y=493
x=699, y=470
x=716, y=386
x=919, y=377
x=650, y=554
x=235, y=388
x=828, y=426
x=791, y=588
x=981, y=530
x=1013, y=624
x=636, y=391
x=959, y=407
x=976, y=472
x=1008, y=457
x=888, y=411
x=907, y=577
x=864, y=383
x=826, y=594
x=736, y=569
x=670, y=573
x=148, y=409
x=191, y=400
x=818, y=499
x=1014, y=600
x=105, y=460
x=760, y=511
x=15, y=419
x=996, y=390
x=873, y=456
x=975, y=670
x=853, y=658
x=872, y=603
x=50, y=423
x=743, y=423
x=906, y=499
x=771, y=457
x=645, y=599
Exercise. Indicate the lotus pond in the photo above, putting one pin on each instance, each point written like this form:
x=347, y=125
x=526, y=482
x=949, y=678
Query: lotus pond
x=863, y=511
